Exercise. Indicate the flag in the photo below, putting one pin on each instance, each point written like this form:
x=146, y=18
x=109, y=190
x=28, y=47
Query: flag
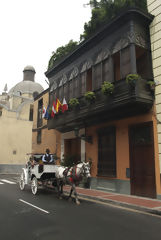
x=58, y=105
x=64, y=105
x=53, y=110
x=47, y=113
x=43, y=112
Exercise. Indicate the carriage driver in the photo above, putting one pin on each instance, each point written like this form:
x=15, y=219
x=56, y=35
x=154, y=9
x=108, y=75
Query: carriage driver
x=47, y=157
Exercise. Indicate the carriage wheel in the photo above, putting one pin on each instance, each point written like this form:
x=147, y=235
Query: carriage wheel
x=22, y=181
x=34, y=185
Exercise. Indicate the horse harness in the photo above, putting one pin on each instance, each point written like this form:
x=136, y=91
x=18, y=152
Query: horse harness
x=73, y=177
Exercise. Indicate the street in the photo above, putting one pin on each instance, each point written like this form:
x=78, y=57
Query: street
x=45, y=217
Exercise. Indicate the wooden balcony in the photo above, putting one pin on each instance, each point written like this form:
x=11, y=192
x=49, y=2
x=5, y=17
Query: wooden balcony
x=124, y=102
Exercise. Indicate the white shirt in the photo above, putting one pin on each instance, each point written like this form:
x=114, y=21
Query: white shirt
x=43, y=158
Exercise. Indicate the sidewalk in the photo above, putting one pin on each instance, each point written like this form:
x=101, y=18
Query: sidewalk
x=133, y=202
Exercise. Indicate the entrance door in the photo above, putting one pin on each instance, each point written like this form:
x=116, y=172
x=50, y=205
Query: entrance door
x=142, y=165
x=107, y=152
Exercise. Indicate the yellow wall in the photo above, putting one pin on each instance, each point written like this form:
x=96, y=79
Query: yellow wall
x=16, y=135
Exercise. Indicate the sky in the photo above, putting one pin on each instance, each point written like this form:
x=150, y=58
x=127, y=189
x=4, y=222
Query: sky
x=31, y=30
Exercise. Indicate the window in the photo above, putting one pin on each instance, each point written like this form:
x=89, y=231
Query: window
x=39, y=136
x=40, y=109
x=107, y=152
x=31, y=113
x=0, y=112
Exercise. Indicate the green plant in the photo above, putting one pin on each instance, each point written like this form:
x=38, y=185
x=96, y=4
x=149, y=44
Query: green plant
x=132, y=78
x=73, y=102
x=90, y=96
x=107, y=88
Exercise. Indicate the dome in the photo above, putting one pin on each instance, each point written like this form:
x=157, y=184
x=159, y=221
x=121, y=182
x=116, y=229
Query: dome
x=28, y=87
x=29, y=68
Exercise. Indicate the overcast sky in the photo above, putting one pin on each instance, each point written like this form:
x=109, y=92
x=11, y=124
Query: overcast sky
x=31, y=30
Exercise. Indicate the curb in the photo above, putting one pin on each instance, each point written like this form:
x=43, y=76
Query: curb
x=122, y=204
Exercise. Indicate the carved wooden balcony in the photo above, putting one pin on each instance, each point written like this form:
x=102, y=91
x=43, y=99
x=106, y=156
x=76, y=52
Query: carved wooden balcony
x=124, y=102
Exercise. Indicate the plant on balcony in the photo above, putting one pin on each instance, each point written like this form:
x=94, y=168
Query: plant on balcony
x=73, y=103
x=107, y=88
x=131, y=79
x=151, y=85
x=90, y=96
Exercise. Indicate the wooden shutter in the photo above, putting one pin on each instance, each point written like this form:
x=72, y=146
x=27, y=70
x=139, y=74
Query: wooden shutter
x=106, y=71
x=75, y=87
x=70, y=89
x=125, y=62
x=66, y=91
x=83, y=83
x=97, y=76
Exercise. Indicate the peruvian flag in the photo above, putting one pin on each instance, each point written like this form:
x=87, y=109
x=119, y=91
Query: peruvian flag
x=53, y=110
x=64, y=105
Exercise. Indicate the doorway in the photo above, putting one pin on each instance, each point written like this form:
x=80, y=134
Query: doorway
x=72, y=147
x=142, y=164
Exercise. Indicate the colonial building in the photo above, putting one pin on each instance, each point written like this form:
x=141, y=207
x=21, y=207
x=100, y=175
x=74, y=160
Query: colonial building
x=16, y=119
x=154, y=7
x=42, y=138
x=117, y=130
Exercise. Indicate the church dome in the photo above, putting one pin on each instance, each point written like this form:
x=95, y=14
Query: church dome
x=28, y=85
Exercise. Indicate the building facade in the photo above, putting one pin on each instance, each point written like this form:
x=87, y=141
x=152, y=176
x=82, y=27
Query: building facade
x=16, y=119
x=42, y=138
x=154, y=7
x=117, y=131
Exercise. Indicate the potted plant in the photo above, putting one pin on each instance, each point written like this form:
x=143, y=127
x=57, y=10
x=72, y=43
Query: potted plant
x=151, y=85
x=107, y=88
x=131, y=79
x=90, y=96
x=73, y=103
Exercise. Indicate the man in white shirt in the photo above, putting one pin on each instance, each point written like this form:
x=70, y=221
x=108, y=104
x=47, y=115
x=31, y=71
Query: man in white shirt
x=47, y=157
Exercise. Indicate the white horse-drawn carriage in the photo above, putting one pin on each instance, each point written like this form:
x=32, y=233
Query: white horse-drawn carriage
x=38, y=175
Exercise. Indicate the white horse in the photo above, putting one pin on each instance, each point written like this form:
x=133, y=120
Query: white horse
x=71, y=176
